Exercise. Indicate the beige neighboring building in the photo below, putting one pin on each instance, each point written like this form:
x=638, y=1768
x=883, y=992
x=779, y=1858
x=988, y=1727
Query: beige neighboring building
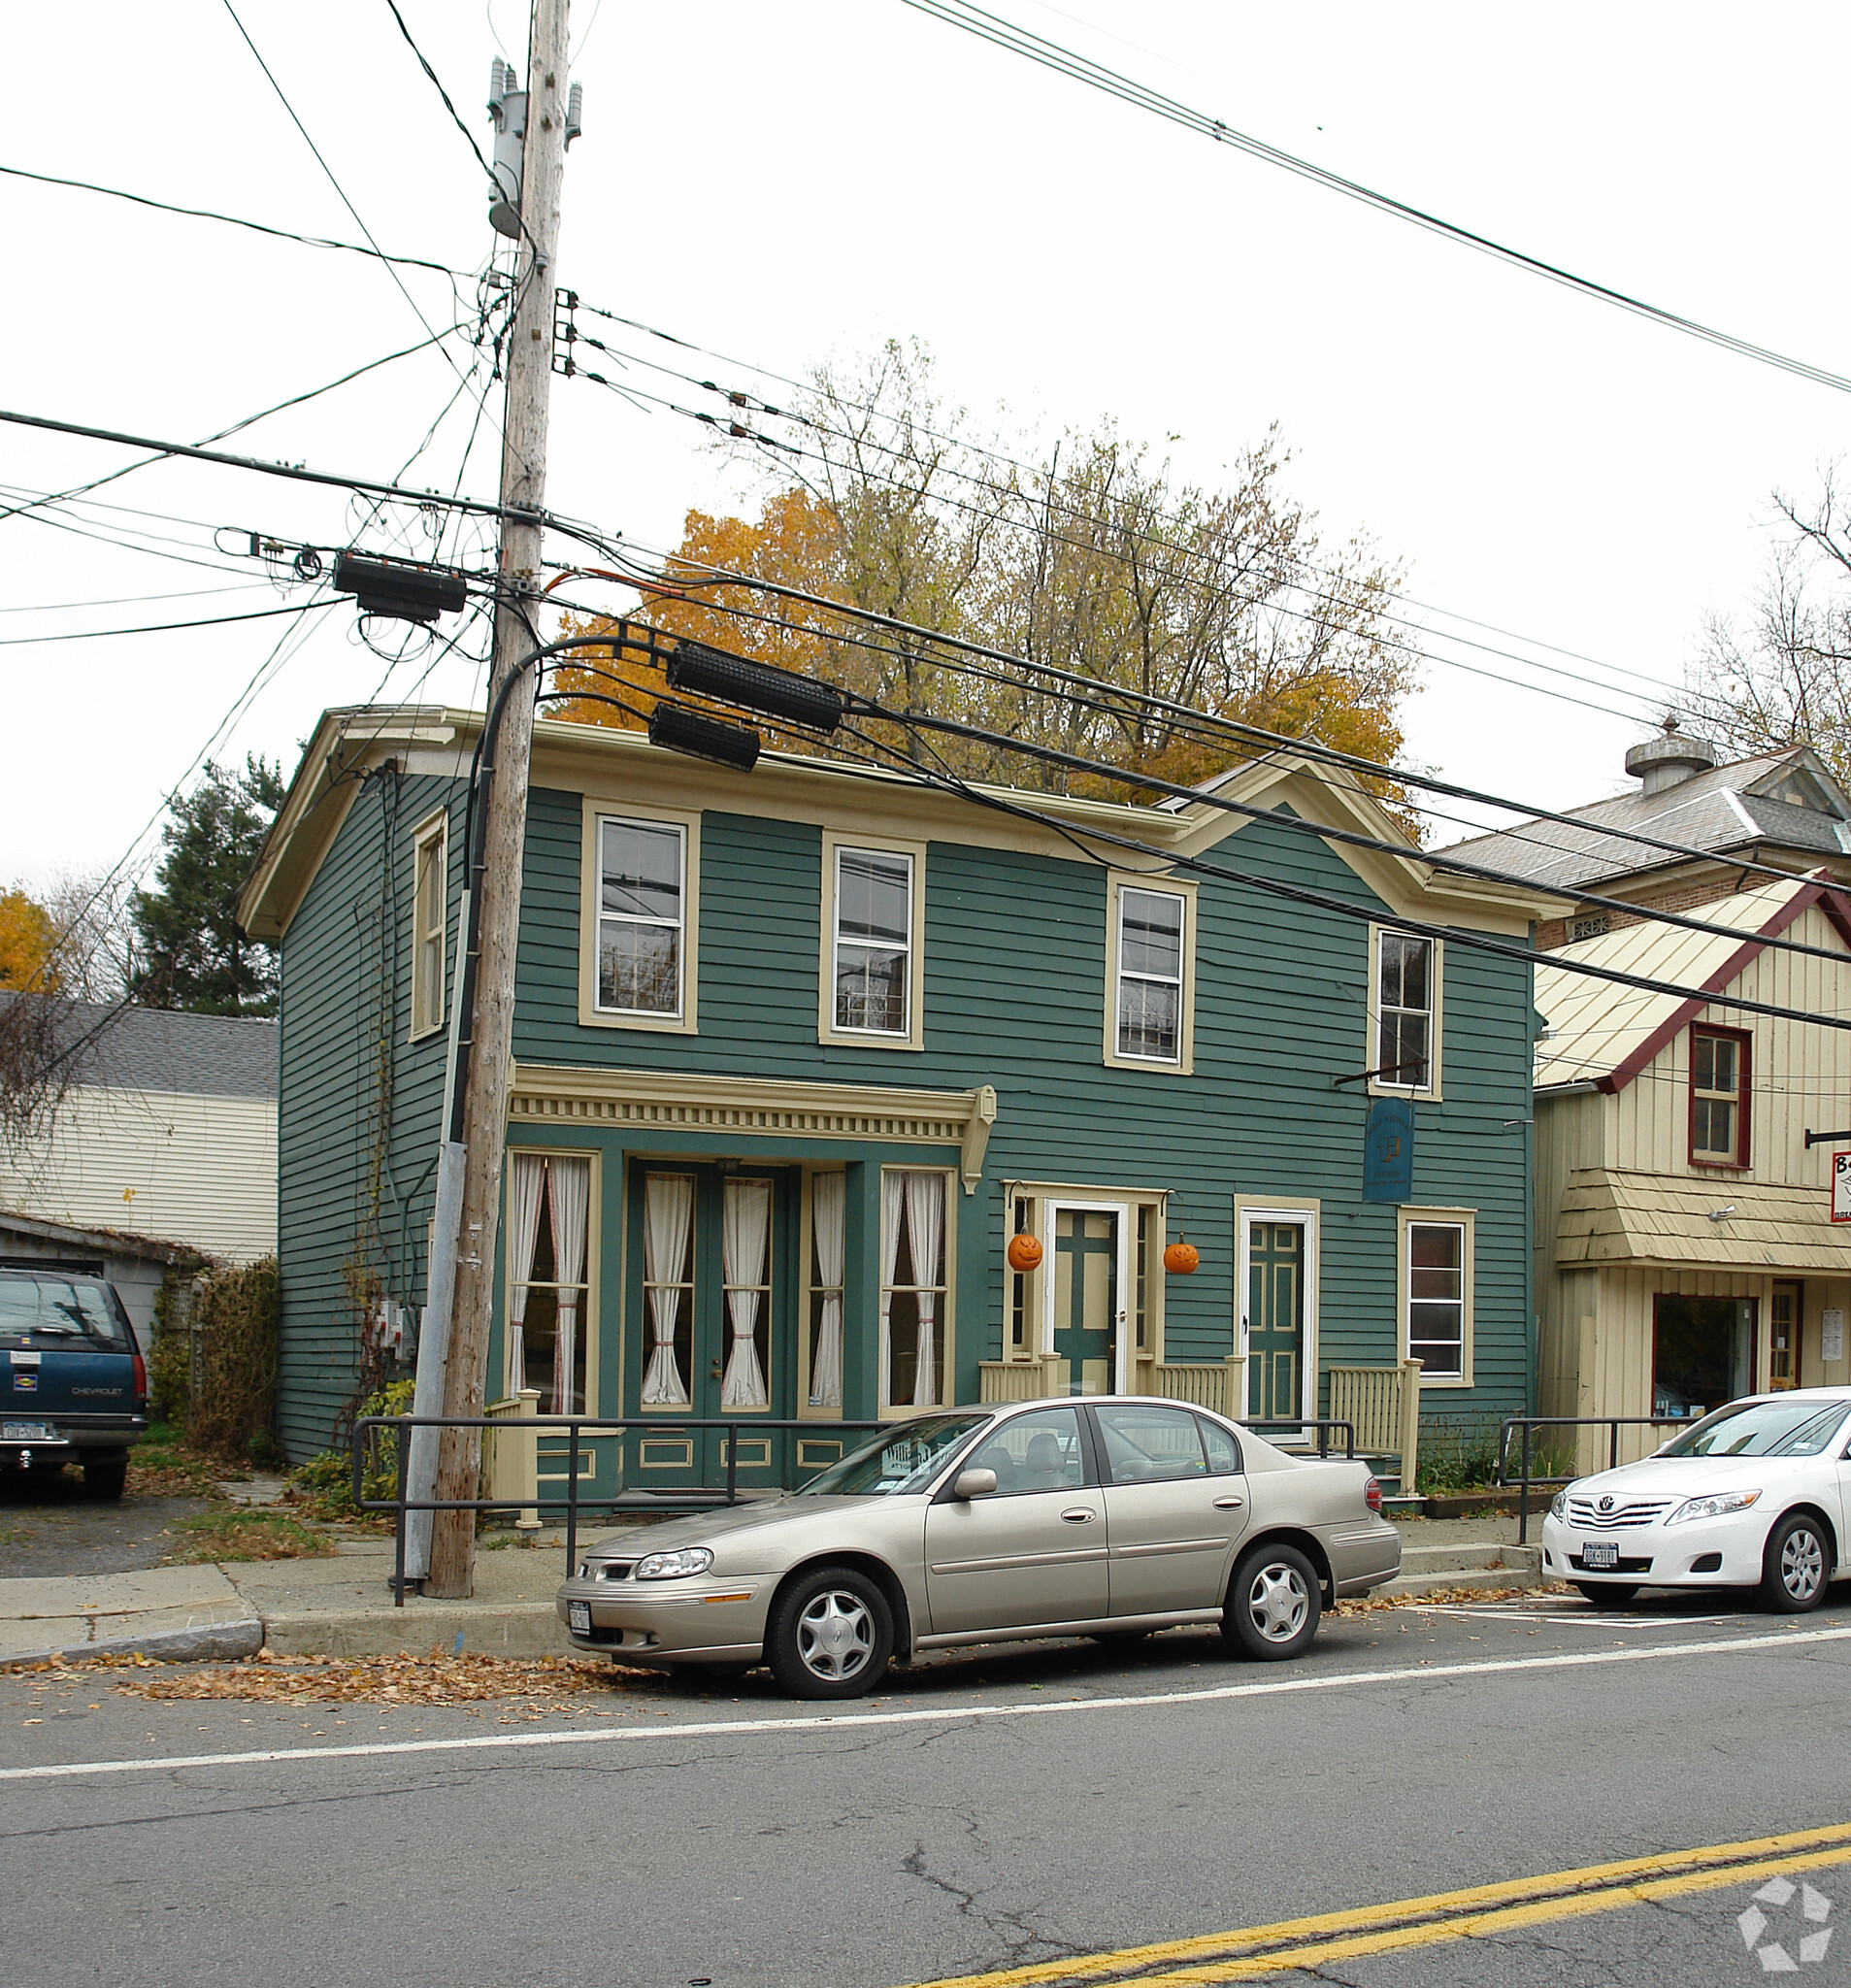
x=1685, y=1250
x=169, y=1132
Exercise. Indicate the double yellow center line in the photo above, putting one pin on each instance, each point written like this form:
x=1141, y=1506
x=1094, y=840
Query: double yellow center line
x=1480, y=1912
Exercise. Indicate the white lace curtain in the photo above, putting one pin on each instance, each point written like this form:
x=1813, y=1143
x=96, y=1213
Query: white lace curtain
x=569, y=1201
x=925, y=1227
x=564, y=1186
x=526, y=1182
x=828, y=1197
x=668, y=1208
x=919, y=1200
x=746, y=1225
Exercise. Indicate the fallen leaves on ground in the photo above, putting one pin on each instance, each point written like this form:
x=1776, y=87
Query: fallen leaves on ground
x=237, y=1532
x=1444, y=1598
x=401, y=1680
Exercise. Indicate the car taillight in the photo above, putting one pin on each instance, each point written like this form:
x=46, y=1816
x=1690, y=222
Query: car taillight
x=141, y=1378
x=1372, y=1495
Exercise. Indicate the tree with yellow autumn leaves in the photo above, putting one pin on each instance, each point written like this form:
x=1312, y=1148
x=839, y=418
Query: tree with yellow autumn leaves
x=1089, y=560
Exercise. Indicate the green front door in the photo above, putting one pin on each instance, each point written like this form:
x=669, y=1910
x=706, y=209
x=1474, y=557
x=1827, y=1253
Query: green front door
x=711, y=1282
x=1276, y=1320
x=1086, y=1298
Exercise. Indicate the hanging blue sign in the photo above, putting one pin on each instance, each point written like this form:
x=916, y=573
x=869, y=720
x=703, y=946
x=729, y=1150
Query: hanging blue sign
x=1388, y=1150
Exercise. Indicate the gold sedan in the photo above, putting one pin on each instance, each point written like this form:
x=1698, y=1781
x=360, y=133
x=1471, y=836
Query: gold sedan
x=1109, y=1516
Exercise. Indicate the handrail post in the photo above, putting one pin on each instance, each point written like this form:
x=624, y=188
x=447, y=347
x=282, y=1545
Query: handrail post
x=398, y=1544
x=1523, y=1496
x=572, y=1497
x=732, y=1465
x=1613, y=1444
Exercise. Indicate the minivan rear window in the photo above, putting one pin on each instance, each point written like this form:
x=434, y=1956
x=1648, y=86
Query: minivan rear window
x=60, y=1311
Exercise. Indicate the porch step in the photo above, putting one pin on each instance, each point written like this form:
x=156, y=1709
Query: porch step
x=1435, y=1570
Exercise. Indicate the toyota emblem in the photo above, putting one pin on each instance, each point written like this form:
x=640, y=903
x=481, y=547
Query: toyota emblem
x=1607, y=1505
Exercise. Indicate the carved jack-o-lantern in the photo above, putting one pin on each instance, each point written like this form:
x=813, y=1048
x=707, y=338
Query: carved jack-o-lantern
x=1181, y=1258
x=1024, y=1252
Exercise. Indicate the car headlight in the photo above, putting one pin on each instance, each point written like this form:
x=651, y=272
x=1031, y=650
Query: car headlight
x=1716, y=1506
x=1559, y=1503
x=676, y=1566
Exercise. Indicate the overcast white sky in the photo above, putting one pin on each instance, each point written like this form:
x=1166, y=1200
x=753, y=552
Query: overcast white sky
x=798, y=182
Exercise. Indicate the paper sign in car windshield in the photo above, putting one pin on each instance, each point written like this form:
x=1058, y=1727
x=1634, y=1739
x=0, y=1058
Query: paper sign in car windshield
x=1388, y=1150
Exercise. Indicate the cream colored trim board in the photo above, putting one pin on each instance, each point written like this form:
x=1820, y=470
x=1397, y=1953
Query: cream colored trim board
x=835, y=841
x=763, y=1106
x=1430, y=1092
x=434, y=828
x=1458, y=1218
x=602, y=806
x=1117, y=883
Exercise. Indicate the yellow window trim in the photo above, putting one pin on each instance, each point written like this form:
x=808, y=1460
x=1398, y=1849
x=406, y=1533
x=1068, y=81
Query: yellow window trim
x=596, y=806
x=1437, y=1027
x=947, y=1319
x=1463, y=1217
x=434, y=828
x=589, y=1320
x=1118, y=881
x=833, y=841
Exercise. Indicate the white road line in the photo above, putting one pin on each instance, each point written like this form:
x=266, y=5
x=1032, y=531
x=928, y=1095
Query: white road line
x=942, y=1715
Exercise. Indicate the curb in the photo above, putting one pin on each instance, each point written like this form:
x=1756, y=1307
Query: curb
x=221, y=1639
x=512, y=1629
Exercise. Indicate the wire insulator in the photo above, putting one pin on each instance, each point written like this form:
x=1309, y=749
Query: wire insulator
x=682, y=730
x=755, y=686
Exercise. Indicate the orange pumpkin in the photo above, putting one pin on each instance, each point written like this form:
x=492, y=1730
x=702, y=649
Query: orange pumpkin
x=1181, y=1258
x=1024, y=1252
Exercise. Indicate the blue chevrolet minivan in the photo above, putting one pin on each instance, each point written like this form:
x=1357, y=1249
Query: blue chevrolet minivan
x=73, y=1387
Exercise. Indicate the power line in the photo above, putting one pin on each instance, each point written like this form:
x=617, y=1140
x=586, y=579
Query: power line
x=250, y=421
x=329, y=171
x=203, y=214
x=1063, y=61
x=1238, y=730
x=1328, y=832
x=157, y=628
x=132, y=600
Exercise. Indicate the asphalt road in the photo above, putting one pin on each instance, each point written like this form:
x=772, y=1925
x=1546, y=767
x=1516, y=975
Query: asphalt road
x=986, y=1812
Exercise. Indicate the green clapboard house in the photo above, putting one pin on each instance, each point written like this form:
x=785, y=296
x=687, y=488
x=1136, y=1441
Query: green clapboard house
x=801, y=1051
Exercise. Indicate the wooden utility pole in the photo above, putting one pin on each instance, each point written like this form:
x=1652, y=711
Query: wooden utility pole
x=517, y=634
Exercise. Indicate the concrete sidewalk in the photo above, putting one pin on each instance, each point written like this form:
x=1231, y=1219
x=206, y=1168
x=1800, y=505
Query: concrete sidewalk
x=342, y=1605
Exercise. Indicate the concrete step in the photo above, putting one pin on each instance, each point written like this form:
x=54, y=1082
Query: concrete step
x=1435, y=1570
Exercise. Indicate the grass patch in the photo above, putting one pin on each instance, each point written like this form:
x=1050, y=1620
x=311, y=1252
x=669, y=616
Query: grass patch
x=239, y=1534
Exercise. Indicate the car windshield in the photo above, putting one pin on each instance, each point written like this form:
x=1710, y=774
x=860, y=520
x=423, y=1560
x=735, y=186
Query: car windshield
x=1786, y=1428
x=54, y=1311
x=896, y=1460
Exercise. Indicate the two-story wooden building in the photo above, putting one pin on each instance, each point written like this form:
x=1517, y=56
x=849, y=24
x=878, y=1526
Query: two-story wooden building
x=799, y=1051
x=1685, y=1246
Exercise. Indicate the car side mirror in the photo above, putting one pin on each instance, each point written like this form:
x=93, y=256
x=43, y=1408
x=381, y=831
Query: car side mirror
x=974, y=1483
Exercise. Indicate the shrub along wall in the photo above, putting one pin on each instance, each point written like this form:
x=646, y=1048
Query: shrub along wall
x=232, y=1393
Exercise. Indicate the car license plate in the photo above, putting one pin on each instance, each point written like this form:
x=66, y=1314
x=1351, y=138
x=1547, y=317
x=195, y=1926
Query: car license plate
x=27, y=1432
x=578, y=1617
x=1596, y=1553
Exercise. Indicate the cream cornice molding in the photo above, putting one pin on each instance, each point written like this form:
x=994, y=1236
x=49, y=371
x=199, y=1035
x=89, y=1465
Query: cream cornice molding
x=774, y=1107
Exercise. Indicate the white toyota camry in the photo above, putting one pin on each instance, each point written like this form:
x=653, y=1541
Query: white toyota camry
x=1756, y=1495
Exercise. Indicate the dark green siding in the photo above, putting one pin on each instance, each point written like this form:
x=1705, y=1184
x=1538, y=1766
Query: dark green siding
x=1013, y=979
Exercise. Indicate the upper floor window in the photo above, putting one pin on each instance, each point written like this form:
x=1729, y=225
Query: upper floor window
x=1151, y=931
x=428, y=906
x=1149, y=975
x=873, y=968
x=641, y=886
x=1718, y=1098
x=1407, y=1012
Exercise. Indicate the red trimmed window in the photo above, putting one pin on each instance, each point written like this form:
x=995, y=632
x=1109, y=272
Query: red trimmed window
x=1718, y=1098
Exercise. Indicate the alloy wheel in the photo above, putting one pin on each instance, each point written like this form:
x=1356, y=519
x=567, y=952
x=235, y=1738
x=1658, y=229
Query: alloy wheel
x=836, y=1635
x=1278, y=1601
x=1802, y=1564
